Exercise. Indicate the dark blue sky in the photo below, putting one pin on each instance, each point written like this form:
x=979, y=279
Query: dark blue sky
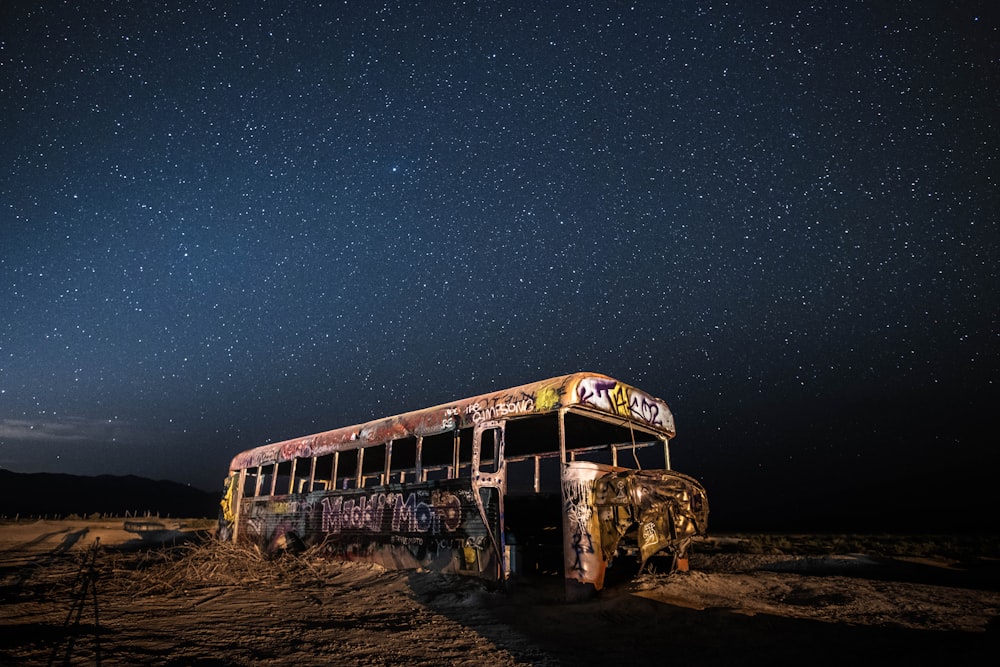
x=223, y=224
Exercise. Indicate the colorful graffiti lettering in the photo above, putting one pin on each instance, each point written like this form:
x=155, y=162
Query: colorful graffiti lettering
x=406, y=515
x=621, y=399
x=495, y=408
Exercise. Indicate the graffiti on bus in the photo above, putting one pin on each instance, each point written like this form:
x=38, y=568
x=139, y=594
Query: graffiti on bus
x=619, y=398
x=439, y=513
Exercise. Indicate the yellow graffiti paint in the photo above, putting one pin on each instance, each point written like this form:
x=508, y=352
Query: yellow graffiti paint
x=227, y=499
x=619, y=400
x=547, y=398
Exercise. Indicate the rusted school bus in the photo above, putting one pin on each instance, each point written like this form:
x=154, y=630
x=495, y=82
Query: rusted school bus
x=562, y=475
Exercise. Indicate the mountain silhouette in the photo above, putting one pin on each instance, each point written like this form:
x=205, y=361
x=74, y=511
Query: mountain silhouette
x=32, y=494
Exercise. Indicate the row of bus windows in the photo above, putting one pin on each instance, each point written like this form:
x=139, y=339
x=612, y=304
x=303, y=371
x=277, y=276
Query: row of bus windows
x=445, y=456
x=397, y=463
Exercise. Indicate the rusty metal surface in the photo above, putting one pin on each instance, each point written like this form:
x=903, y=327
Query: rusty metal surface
x=606, y=509
x=666, y=507
x=584, y=563
x=590, y=392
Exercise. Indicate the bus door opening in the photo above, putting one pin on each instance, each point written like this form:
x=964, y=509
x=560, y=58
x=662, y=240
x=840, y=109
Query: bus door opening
x=489, y=487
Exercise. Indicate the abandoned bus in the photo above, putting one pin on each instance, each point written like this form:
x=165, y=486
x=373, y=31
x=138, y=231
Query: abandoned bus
x=562, y=475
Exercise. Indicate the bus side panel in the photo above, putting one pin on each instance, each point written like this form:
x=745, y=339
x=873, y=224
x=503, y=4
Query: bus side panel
x=433, y=525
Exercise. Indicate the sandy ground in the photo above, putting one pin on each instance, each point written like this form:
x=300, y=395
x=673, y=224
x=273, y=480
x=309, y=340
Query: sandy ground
x=85, y=593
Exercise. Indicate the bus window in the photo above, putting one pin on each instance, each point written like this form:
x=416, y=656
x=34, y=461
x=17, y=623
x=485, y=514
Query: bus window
x=652, y=457
x=283, y=481
x=489, y=450
x=529, y=447
x=347, y=469
x=323, y=479
x=266, y=480
x=549, y=474
x=250, y=482
x=373, y=466
x=464, y=453
x=521, y=475
x=531, y=436
x=437, y=456
x=523, y=472
x=403, y=461
x=593, y=454
x=301, y=470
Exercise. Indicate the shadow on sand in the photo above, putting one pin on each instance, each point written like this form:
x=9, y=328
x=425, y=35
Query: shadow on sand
x=536, y=625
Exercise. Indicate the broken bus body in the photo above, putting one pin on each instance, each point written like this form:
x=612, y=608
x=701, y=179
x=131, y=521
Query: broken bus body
x=562, y=475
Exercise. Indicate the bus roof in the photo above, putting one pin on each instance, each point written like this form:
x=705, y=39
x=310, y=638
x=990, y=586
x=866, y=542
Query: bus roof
x=586, y=392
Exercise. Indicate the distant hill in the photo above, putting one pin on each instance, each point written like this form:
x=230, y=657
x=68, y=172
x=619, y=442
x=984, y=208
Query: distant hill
x=30, y=494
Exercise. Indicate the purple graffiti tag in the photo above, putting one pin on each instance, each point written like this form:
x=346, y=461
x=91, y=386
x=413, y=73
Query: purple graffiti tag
x=644, y=409
x=595, y=390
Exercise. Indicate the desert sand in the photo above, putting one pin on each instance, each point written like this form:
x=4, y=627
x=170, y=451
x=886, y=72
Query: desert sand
x=90, y=592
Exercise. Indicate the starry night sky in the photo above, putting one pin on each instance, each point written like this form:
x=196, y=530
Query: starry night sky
x=226, y=224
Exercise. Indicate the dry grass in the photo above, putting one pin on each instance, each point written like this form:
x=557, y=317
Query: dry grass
x=209, y=563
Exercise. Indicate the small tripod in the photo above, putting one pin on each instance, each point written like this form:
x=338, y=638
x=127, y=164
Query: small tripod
x=85, y=585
